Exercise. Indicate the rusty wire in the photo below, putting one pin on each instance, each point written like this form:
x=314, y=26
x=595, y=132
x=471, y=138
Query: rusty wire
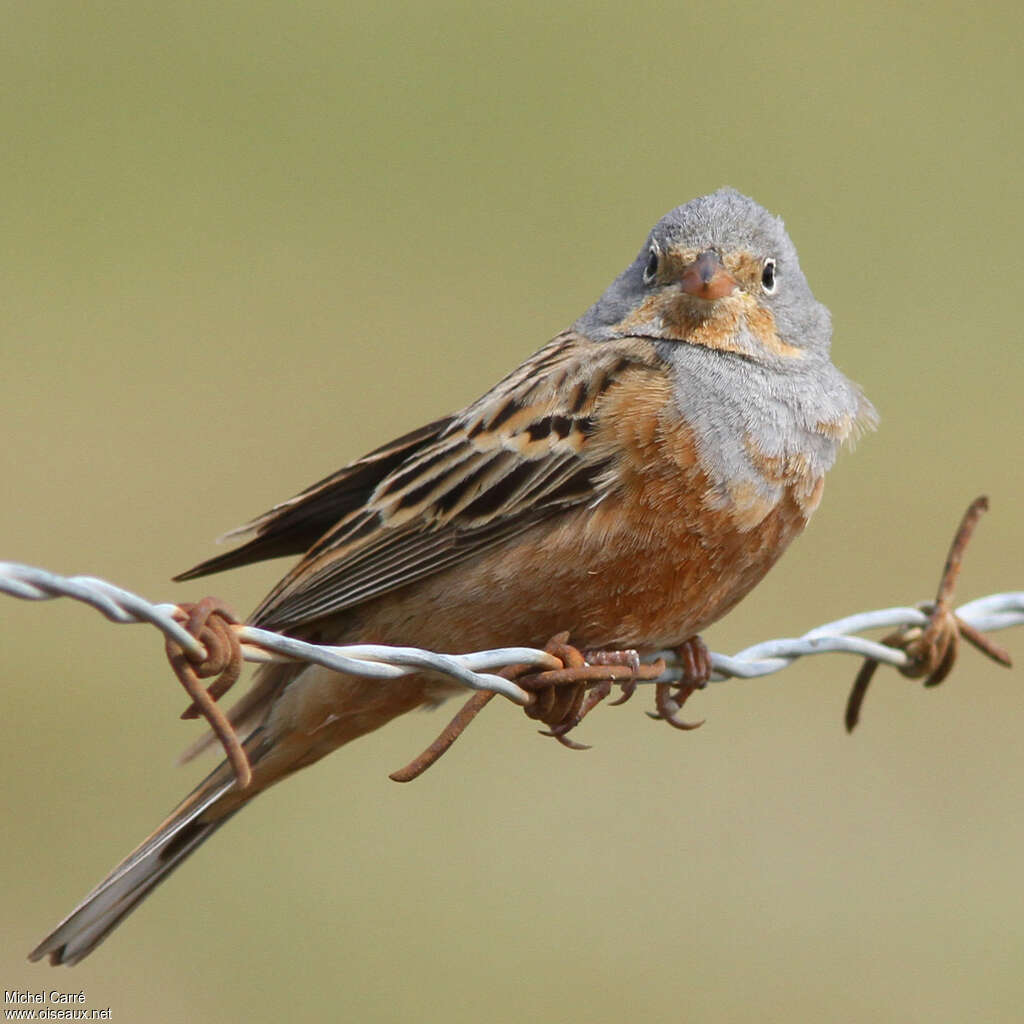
x=932, y=649
x=210, y=622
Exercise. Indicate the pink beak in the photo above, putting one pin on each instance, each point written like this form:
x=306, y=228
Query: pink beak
x=706, y=278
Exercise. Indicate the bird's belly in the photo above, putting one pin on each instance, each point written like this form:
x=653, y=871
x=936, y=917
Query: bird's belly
x=628, y=574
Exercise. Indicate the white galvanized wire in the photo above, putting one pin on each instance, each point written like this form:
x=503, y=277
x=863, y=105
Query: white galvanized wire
x=475, y=670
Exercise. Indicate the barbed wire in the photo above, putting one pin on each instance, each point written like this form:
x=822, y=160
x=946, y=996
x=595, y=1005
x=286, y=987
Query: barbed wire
x=379, y=661
x=557, y=685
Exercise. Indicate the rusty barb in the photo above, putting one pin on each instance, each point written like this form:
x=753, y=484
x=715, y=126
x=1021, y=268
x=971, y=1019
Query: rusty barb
x=932, y=649
x=210, y=622
x=560, y=698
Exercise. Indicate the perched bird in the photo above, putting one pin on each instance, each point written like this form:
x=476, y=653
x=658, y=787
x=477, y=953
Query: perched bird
x=629, y=483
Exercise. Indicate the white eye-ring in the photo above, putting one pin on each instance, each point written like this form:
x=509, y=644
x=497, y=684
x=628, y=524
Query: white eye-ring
x=768, y=276
x=653, y=262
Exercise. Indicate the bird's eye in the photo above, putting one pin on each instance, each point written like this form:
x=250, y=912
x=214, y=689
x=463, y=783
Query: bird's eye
x=653, y=259
x=768, y=276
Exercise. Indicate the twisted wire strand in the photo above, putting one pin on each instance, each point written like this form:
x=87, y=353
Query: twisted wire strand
x=475, y=670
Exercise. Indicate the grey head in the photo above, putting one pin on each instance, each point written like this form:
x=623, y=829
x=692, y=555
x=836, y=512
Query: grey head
x=650, y=299
x=718, y=289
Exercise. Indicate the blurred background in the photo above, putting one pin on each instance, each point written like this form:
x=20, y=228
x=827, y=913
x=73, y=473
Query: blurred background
x=245, y=243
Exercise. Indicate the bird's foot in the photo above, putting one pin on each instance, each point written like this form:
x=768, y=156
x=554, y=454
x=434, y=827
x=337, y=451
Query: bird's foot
x=669, y=698
x=564, y=697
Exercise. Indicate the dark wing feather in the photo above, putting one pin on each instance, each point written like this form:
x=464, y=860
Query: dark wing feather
x=293, y=526
x=521, y=454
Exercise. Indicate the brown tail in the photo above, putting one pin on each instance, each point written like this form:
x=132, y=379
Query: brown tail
x=193, y=822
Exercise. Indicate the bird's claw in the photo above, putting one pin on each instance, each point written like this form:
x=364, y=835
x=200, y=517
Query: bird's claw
x=628, y=688
x=669, y=698
x=669, y=704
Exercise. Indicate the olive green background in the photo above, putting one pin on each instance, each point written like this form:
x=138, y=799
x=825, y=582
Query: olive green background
x=245, y=242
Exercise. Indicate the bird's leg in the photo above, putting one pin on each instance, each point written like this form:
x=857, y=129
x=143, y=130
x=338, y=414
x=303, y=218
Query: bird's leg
x=697, y=667
x=629, y=658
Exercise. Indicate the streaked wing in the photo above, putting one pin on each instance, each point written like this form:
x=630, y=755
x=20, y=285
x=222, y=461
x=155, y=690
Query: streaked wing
x=291, y=527
x=519, y=455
